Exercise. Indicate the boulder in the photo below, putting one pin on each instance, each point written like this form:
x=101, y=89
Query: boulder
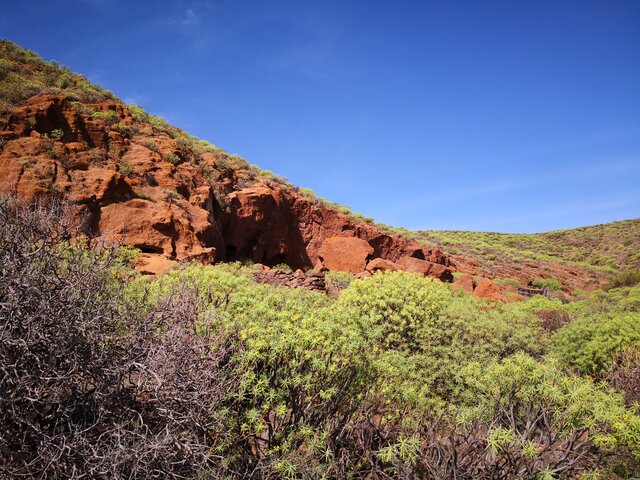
x=415, y=265
x=485, y=288
x=346, y=254
x=380, y=264
x=151, y=264
x=441, y=272
x=465, y=282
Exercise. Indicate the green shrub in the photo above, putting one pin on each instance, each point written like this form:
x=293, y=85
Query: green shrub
x=6, y=67
x=513, y=282
x=14, y=88
x=56, y=134
x=548, y=283
x=137, y=112
x=171, y=194
x=512, y=393
x=339, y=280
x=402, y=307
x=125, y=167
x=173, y=158
x=153, y=146
x=121, y=128
x=108, y=116
x=628, y=278
x=160, y=124
x=588, y=345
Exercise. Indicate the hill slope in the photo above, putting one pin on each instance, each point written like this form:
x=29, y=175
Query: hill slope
x=609, y=246
x=136, y=179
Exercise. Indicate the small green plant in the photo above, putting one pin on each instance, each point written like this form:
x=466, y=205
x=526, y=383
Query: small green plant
x=171, y=194
x=56, y=134
x=512, y=282
x=121, y=128
x=108, y=116
x=282, y=266
x=173, y=158
x=153, y=146
x=137, y=113
x=339, y=280
x=549, y=283
x=125, y=167
x=628, y=278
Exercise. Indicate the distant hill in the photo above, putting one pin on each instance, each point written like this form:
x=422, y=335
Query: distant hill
x=609, y=247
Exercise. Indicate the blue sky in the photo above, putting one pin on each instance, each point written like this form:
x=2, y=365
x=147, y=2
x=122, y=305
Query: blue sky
x=513, y=116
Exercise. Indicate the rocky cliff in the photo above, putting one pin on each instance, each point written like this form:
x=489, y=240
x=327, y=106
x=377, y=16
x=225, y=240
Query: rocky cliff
x=151, y=188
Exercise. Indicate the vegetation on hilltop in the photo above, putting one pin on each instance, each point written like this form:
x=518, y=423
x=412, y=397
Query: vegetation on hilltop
x=202, y=373
x=610, y=246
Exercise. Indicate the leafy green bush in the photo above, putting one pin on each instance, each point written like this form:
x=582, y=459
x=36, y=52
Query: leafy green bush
x=173, y=158
x=549, y=283
x=153, y=146
x=338, y=280
x=121, y=128
x=138, y=113
x=125, y=167
x=513, y=282
x=588, y=345
x=107, y=116
x=401, y=307
x=520, y=398
x=56, y=134
x=628, y=278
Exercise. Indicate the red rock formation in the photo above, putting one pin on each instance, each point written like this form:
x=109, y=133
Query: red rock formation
x=465, y=282
x=485, y=288
x=345, y=254
x=380, y=264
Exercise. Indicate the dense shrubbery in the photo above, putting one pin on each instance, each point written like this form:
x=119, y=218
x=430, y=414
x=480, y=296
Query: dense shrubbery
x=204, y=374
x=550, y=284
x=628, y=278
x=590, y=344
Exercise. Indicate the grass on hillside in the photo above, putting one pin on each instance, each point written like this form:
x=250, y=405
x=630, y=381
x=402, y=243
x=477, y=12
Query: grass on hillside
x=607, y=247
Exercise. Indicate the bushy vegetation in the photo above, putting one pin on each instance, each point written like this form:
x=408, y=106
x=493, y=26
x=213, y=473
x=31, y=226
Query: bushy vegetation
x=23, y=74
x=602, y=247
x=627, y=278
x=550, y=284
x=203, y=373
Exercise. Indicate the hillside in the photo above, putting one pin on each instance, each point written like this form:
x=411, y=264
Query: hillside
x=610, y=246
x=136, y=179
x=598, y=249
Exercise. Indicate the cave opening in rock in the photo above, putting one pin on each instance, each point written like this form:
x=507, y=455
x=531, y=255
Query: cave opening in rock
x=149, y=249
x=419, y=254
x=231, y=253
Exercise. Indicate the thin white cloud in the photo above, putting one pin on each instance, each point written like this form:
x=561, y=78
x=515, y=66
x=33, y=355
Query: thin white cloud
x=534, y=179
x=190, y=19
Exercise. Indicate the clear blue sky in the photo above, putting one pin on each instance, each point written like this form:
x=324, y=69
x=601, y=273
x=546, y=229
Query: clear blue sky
x=514, y=116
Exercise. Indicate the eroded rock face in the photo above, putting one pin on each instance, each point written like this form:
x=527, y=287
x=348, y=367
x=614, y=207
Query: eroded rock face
x=485, y=288
x=380, y=264
x=465, y=282
x=345, y=254
x=117, y=173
